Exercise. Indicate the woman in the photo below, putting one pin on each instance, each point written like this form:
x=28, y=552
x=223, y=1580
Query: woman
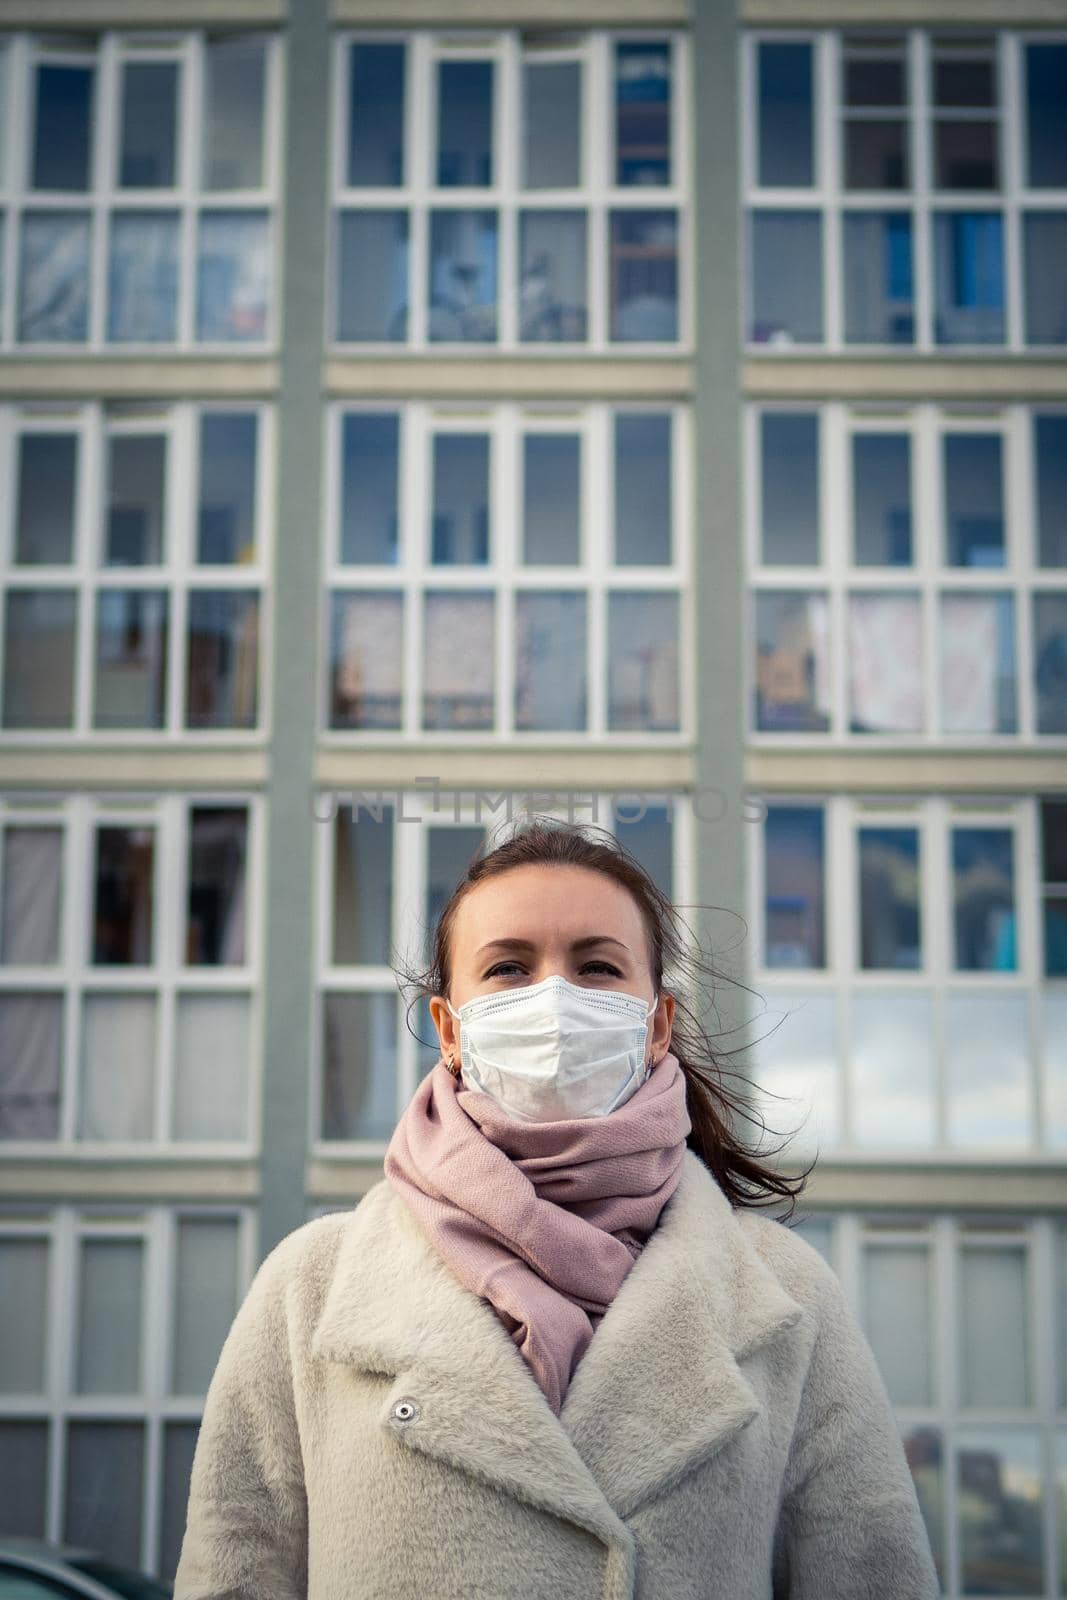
x=555, y=1351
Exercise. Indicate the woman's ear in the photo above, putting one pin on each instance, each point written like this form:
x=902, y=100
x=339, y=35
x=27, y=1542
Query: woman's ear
x=447, y=1027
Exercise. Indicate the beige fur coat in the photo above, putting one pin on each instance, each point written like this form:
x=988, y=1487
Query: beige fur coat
x=371, y=1432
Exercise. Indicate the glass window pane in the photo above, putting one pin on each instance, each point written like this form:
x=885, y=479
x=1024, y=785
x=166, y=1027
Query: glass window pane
x=881, y=500
x=366, y=660
x=552, y=124
x=786, y=124
x=792, y=669
x=984, y=899
x=234, y=87
x=143, y=278
x=649, y=835
x=222, y=669
x=372, y=276
x=879, y=292
x=457, y=685
x=897, y=1320
x=875, y=71
x=965, y=155
x=376, y=115
x=215, y=933
x=1045, y=100
x=5, y=101
x=796, y=1055
x=148, y=150
x=550, y=661
x=23, y=1314
x=552, y=276
x=793, y=887
x=643, y=658
x=552, y=510
x=136, y=497
x=123, y=911
x=448, y=854
x=643, y=514
x=785, y=274
x=1053, y=874
x=32, y=877
x=976, y=639
x=233, y=276
x=118, y=1068
x=974, y=500
x=23, y=1479
x=105, y=1478
x=994, y=1336
x=894, y=1072
x=63, y=128
x=47, y=476
x=1045, y=287
x=179, y=1447
x=999, y=1497
x=885, y=670
x=131, y=658
x=211, y=1068
x=968, y=277
x=876, y=153
x=922, y=1451
x=464, y=123
x=54, y=278
x=362, y=886
x=1050, y=474
x=39, y=658
x=31, y=1052
x=359, y=1069
x=988, y=1071
x=460, y=509
x=1053, y=1049
x=226, y=514
x=463, y=275
x=789, y=488
x=890, y=930
x=108, y=1349
x=1050, y=662
x=642, y=113
x=205, y=1299
x=644, y=276
x=370, y=519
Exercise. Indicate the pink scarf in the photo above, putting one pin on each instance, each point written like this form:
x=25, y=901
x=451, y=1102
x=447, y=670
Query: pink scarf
x=542, y=1219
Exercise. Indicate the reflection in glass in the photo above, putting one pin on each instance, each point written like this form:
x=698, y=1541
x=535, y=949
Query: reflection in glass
x=136, y=490
x=362, y=885
x=24, y=1477
x=984, y=899
x=648, y=834
x=1045, y=286
x=644, y=276
x=876, y=153
x=550, y=661
x=222, y=666
x=122, y=914
x=789, y=488
x=792, y=688
x=884, y=663
x=643, y=517
x=131, y=658
x=881, y=499
x=463, y=275
x=372, y=276
x=1054, y=883
x=968, y=277
x=234, y=89
x=210, y=1085
x=370, y=469
x=974, y=500
x=642, y=113
x=894, y=1076
x=459, y=659
x=879, y=292
x=965, y=154
x=890, y=924
x=1050, y=474
x=149, y=134
x=23, y=1314
x=206, y=1271
x=217, y=887
x=794, y=932
x=226, y=513
x=643, y=662
x=785, y=126
x=448, y=854
x=460, y=499
x=39, y=658
x=1050, y=661
x=103, y=1491
x=117, y=1085
x=464, y=124
x=976, y=641
x=552, y=124
x=63, y=129
x=376, y=115
x=143, y=278
x=994, y=1336
x=366, y=660
x=1052, y=1030
x=108, y=1346
x=31, y=876
x=999, y=1496
x=359, y=1067
x=54, y=278
x=897, y=1319
x=1045, y=100
x=552, y=513
x=44, y=526
x=785, y=277
x=31, y=1034
x=988, y=1070
x=796, y=1056
x=552, y=276
x=233, y=276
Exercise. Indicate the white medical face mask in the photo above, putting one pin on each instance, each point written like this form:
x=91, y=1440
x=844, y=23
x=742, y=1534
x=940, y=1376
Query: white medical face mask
x=555, y=1050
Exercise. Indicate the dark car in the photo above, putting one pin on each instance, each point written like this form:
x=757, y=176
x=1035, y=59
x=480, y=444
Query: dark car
x=31, y=1569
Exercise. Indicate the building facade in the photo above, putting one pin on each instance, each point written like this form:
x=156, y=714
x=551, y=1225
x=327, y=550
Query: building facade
x=648, y=413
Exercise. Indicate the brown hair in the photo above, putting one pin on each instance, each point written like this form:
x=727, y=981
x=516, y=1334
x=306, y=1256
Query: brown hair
x=741, y=1170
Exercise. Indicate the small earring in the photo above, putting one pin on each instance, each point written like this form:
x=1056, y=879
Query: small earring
x=451, y=1065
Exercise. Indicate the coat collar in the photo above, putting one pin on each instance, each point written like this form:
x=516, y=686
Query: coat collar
x=658, y=1390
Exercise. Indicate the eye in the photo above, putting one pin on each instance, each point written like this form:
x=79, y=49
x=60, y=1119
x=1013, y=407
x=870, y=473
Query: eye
x=501, y=968
x=604, y=966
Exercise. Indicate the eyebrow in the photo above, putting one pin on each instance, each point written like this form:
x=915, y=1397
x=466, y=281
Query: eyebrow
x=578, y=944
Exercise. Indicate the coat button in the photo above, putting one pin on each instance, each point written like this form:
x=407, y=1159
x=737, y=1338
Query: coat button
x=405, y=1411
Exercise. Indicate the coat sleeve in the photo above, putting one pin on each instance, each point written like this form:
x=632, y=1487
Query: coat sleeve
x=849, y=1525
x=246, y=1520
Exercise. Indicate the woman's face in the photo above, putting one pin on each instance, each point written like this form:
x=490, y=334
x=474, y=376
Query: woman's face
x=536, y=922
